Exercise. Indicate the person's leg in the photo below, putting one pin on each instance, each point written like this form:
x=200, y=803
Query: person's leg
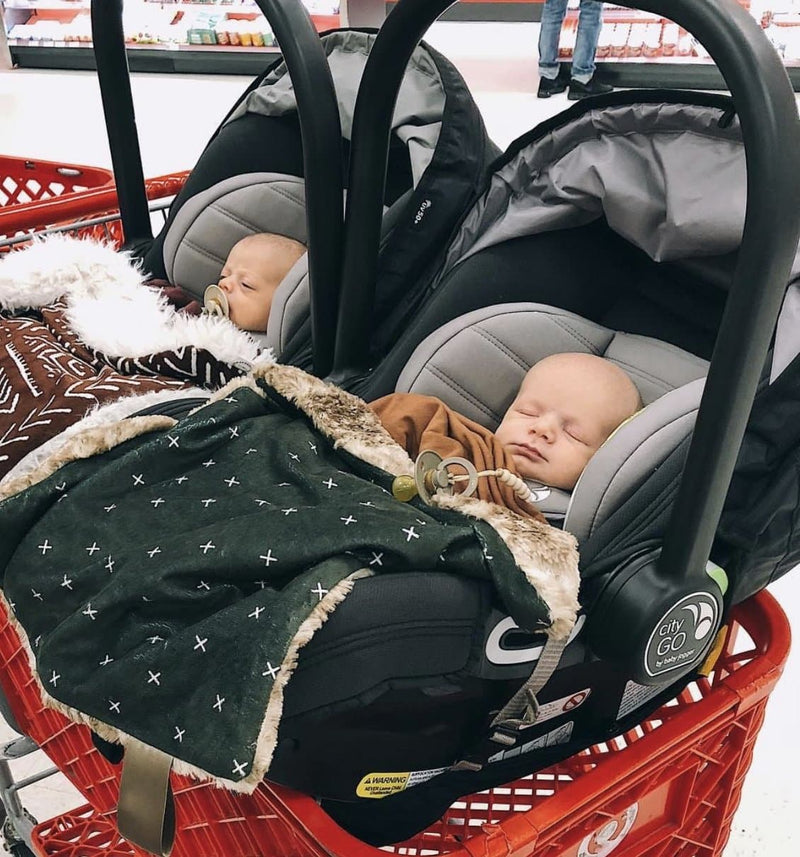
x=553, y=13
x=590, y=23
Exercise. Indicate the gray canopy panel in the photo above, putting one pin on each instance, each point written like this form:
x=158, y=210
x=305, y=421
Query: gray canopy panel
x=670, y=178
x=420, y=103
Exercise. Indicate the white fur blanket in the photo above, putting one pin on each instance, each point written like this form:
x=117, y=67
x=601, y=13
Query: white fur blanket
x=79, y=330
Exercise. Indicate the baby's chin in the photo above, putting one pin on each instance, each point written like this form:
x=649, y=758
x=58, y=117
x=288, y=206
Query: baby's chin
x=540, y=472
x=528, y=469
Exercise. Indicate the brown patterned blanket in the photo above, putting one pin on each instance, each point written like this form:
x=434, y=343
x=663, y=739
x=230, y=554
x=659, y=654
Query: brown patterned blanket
x=79, y=329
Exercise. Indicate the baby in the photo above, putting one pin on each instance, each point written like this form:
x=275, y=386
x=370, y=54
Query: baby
x=567, y=406
x=254, y=269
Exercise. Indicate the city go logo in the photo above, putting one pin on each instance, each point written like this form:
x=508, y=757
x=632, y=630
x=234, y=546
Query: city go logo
x=681, y=635
x=605, y=839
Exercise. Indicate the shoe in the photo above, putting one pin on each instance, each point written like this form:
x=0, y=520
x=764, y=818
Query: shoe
x=591, y=87
x=551, y=86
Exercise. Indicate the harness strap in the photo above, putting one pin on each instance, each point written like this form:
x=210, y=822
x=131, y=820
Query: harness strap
x=523, y=707
x=520, y=711
x=146, y=810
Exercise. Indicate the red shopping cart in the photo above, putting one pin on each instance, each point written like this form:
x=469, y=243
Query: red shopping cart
x=28, y=187
x=668, y=788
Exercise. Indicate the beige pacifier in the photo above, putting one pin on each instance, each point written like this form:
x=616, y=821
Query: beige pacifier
x=432, y=476
x=215, y=302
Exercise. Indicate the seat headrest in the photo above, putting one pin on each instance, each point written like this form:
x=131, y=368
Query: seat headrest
x=476, y=363
x=290, y=305
x=211, y=222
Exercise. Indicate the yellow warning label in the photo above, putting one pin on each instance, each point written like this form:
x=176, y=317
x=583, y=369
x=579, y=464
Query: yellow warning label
x=382, y=784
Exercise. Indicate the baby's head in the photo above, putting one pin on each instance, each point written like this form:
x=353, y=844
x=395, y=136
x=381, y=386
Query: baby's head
x=566, y=407
x=254, y=269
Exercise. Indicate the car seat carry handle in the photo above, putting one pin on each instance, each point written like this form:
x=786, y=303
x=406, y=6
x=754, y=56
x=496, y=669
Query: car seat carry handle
x=400, y=34
x=767, y=111
x=108, y=43
x=670, y=601
x=321, y=135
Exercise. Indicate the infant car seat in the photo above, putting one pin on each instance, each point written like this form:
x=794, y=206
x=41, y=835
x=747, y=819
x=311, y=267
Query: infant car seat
x=373, y=670
x=622, y=219
x=250, y=178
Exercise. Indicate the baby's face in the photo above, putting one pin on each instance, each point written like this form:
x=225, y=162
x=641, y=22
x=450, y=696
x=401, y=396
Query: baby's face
x=564, y=411
x=252, y=273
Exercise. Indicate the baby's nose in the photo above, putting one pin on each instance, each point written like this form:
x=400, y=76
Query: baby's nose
x=544, y=425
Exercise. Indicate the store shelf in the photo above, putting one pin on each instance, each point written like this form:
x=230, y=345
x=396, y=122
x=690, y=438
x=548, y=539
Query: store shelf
x=190, y=37
x=181, y=60
x=633, y=49
x=643, y=49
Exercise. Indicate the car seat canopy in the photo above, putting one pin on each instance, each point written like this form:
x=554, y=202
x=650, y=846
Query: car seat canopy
x=649, y=169
x=420, y=103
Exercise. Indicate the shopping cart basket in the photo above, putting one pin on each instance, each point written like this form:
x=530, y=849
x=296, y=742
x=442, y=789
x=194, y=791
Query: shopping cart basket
x=26, y=183
x=82, y=211
x=668, y=788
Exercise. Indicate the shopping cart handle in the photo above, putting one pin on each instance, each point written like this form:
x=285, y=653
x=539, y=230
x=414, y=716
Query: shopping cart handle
x=108, y=44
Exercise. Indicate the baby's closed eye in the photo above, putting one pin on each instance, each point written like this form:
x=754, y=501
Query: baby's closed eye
x=576, y=434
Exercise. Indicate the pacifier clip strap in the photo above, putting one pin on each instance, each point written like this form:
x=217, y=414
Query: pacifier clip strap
x=146, y=809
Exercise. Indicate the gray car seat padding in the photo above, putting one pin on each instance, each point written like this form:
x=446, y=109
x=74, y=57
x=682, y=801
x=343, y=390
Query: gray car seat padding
x=476, y=363
x=626, y=459
x=417, y=118
x=211, y=222
x=290, y=306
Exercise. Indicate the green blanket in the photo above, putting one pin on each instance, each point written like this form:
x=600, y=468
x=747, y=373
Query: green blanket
x=166, y=575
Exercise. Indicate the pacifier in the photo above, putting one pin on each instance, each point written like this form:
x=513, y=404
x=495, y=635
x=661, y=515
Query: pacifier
x=215, y=302
x=431, y=476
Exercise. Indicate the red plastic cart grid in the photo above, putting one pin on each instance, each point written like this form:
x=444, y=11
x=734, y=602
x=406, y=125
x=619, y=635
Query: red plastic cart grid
x=35, y=198
x=25, y=182
x=668, y=788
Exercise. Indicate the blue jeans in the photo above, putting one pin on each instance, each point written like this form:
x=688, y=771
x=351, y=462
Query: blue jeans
x=589, y=25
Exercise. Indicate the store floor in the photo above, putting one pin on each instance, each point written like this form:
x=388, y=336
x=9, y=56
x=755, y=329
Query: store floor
x=58, y=116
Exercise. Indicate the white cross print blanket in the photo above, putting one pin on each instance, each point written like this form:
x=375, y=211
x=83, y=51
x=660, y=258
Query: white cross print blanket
x=166, y=575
